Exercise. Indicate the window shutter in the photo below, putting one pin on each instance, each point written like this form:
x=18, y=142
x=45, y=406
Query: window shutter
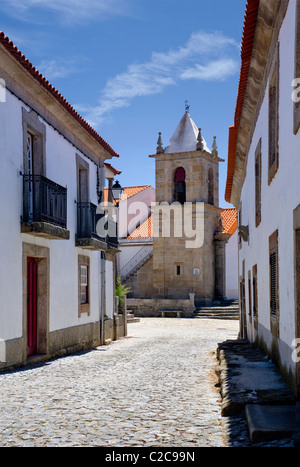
x=273, y=283
x=254, y=289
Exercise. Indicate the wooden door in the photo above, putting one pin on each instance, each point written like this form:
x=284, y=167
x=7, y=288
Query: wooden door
x=31, y=306
x=243, y=321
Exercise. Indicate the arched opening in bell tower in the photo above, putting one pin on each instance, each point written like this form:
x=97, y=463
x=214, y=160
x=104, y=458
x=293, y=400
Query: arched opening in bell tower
x=179, y=185
x=210, y=186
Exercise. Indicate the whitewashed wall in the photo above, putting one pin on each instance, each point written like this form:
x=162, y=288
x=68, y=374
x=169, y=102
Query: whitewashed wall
x=129, y=212
x=232, y=274
x=61, y=168
x=109, y=289
x=278, y=202
x=11, y=159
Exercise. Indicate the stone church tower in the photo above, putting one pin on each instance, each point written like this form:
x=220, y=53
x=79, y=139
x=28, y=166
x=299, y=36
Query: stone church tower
x=187, y=202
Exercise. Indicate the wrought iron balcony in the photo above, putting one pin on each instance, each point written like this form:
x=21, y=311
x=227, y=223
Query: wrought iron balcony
x=88, y=235
x=112, y=242
x=87, y=219
x=44, y=207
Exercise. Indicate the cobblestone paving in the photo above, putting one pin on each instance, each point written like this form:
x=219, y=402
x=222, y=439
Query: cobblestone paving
x=154, y=388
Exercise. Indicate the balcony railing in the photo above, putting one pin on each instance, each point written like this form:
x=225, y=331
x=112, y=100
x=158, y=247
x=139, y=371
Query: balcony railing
x=44, y=201
x=87, y=221
x=112, y=241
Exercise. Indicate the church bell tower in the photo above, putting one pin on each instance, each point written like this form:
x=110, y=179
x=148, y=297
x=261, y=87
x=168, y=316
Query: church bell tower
x=188, y=244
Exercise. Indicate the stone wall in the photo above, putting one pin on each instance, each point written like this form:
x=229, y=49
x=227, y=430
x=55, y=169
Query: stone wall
x=181, y=264
x=141, y=282
x=153, y=307
x=75, y=339
x=114, y=328
x=68, y=341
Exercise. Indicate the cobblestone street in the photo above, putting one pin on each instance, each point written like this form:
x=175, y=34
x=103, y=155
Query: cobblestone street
x=154, y=388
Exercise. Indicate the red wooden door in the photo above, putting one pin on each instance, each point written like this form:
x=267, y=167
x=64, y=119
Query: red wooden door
x=31, y=306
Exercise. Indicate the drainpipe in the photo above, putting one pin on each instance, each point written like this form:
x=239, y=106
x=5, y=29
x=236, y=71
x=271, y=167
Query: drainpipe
x=102, y=259
x=102, y=275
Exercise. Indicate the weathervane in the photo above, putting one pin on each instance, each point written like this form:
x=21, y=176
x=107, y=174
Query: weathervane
x=187, y=107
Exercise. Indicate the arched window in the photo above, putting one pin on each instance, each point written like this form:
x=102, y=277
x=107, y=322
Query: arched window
x=179, y=185
x=210, y=199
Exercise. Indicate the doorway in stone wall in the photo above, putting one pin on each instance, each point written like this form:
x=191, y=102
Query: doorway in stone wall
x=31, y=306
x=243, y=321
x=35, y=299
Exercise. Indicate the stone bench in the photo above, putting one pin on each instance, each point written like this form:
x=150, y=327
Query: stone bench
x=164, y=312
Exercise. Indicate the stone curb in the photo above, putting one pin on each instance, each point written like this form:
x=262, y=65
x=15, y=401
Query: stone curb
x=247, y=376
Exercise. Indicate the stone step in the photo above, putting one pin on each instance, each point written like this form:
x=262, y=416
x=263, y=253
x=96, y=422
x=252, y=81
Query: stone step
x=215, y=316
x=226, y=303
x=218, y=312
x=218, y=309
x=273, y=422
x=131, y=318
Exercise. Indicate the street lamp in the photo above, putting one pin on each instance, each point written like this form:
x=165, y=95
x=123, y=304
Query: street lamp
x=117, y=191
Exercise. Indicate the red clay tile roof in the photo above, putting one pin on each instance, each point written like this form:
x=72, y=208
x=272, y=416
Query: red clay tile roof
x=145, y=230
x=229, y=221
x=246, y=54
x=128, y=191
x=13, y=50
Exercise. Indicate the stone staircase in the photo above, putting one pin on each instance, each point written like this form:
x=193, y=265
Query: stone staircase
x=136, y=262
x=131, y=318
x=228, y=309
x=138, y=266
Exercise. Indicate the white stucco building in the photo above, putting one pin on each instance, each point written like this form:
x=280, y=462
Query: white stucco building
x=229, y=222
x=135, y=229
x=263, y=180
x=57, y=274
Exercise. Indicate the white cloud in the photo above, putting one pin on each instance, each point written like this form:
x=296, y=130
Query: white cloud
x=69, y=11
x=53, y=69
x=166, y=69
x=218, y=70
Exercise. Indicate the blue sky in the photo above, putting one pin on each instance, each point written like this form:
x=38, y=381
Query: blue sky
x=128, y=66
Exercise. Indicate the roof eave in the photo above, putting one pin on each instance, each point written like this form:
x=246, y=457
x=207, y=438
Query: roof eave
x=250, y=22
x=259, y=39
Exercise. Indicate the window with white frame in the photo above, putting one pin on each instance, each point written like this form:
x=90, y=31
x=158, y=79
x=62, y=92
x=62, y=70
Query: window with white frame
x=84, y=284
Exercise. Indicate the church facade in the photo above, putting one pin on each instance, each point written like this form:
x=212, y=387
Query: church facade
x=187, y=268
